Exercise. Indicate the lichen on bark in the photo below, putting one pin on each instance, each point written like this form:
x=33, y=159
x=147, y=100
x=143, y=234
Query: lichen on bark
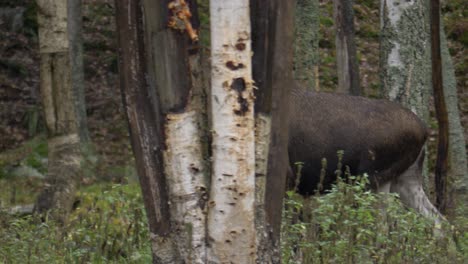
x=405, y=54
x=458, y=170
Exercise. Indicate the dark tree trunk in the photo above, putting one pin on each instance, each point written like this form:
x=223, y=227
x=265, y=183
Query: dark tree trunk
x=346, y=58
x=441, y=110
x=272, y=37
x=145, y=133
x=161, y=89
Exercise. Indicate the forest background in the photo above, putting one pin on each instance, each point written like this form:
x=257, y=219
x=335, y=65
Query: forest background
x=22, y=129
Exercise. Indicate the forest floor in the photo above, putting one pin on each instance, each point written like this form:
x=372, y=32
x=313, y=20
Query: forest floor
x=19, y=76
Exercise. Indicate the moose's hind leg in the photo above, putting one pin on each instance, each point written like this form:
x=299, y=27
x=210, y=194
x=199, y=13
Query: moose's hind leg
x=409, y=187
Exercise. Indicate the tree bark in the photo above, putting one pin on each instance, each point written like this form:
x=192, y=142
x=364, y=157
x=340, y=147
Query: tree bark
x=306, y=43
x=77, y=74
x=145, y=134
x=231, y=207
x=405, y=57
x=59, y=67
x=162, y=89
x=458, y=168
x=175, y=86
x=346, y=57
x=273, y=74
x=405, y=54
x=441, y=110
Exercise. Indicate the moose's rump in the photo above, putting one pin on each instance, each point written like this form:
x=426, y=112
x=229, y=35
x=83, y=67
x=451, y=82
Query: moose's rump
x=378, y=137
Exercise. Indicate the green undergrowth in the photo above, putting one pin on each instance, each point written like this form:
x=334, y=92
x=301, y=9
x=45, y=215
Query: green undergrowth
x=19, y=191
x=348, y=225
x=351, y=224
x=21, y=172
x=108, y=225
x=30, y=153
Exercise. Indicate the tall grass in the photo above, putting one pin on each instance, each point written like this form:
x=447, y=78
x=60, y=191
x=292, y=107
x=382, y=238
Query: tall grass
x=348, y=225
x=108, y=226
x=351, y=224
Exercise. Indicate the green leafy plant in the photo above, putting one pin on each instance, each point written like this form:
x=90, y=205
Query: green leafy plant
x=351, y=224
x=108, y=225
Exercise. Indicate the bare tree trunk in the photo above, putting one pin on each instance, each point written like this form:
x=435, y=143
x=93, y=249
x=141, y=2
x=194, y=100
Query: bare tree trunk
x=306, y=43
x=76, y=60
x=458, y=169
x=405, y=57
x=272, y=70
x=145, y=134
x=405, y=54
x=346, y=57
x=231, y=208
x=163, y=95
x=161, y=88
x=175, y=86
x=441, y=110
x=59, y=69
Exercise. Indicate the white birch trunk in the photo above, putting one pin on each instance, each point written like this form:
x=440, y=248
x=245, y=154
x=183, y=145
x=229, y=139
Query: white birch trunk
x=405, y=54
x=187, y=191
x=231, y=227
x=405, y=57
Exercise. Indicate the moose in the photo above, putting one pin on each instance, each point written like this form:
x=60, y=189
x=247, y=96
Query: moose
x=378, y=137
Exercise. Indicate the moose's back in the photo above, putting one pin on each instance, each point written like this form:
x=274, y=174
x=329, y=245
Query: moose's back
x=378, y=137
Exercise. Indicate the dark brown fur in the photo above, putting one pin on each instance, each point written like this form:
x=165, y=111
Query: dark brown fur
x=379, y=137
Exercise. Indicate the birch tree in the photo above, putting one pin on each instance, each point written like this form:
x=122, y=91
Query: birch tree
x=61, y=69
x=190, y=220
x=231, y=207
x=164, y=113
x=405, y=63
x=405, y=53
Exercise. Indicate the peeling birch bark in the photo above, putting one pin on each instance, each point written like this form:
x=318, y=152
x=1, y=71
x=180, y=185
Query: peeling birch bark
x=163, y=93
x=231, y=230
x=187, y=189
